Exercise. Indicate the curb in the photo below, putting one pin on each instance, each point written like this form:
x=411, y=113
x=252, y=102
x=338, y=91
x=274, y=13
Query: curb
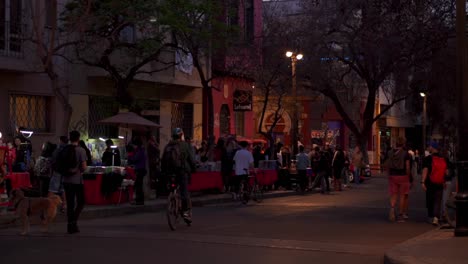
x=6, y=221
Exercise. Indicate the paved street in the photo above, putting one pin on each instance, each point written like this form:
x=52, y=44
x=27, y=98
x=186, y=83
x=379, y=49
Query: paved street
x=347, y=227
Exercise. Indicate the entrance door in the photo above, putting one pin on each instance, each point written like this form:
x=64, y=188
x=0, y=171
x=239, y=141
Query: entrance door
x=224, y=120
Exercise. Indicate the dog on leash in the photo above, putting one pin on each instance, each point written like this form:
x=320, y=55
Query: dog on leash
x=45, y=207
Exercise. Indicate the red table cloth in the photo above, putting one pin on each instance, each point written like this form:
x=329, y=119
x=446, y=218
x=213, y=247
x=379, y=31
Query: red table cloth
x=93, y=195
x=206, y=180
x=267, y=177
x=19, y=180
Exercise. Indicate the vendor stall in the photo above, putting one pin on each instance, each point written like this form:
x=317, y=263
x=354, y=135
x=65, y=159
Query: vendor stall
x=207, y=177
x=108, y=185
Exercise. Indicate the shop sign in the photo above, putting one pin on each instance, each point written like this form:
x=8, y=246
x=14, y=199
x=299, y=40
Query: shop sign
x=321, y=133
x=242, y=101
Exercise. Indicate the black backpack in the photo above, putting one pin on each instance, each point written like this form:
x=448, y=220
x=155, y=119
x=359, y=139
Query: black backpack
x=67, y=162
x=172, y=159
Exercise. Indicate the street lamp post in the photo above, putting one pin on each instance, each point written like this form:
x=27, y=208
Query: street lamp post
x=424, y=121
x=462, y=86
x=294, y=130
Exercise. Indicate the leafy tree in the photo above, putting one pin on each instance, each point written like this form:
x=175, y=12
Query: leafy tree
x=120, y=37
x=198, y=29
x=360, y=49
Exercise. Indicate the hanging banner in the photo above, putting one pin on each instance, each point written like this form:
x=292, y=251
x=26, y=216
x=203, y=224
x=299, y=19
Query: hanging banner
x=242, y=101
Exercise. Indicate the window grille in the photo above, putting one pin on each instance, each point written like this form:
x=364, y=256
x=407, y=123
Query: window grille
x=30, y=111
x=101, y=107
x=182, y=116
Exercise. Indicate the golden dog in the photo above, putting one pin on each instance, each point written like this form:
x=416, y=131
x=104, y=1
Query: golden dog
x=27, y=206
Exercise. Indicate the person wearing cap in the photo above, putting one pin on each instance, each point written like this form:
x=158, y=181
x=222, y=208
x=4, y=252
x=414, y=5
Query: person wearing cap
x=434, y=191
x=182, y=174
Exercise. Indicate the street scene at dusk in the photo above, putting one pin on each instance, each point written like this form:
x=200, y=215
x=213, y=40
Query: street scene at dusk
x=226, y=131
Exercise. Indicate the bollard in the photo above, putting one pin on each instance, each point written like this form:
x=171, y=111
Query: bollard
x=461, y=200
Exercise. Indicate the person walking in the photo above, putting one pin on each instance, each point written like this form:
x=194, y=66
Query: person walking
x=357, y=160
x=56, y=180
x=89, y=159
x=434, y=173
x=178, y=161
x=302, y=163
x=338, y=164
x=43, y=167
x=138, y=160
x=243, y=161
x=320, y=167
x=399, y=180
x=71, y=163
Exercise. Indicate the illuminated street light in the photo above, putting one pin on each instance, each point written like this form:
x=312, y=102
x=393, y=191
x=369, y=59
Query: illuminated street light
x=294, y=131
x=26, y=133
x=422, y=94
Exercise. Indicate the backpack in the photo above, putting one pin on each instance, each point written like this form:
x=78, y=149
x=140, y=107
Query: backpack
x=172, y=159
x=43, y=167
x=439, y=167
x=67, y=161
x=397, y=159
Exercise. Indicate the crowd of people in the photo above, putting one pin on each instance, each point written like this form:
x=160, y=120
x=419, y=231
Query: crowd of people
x=329, y=165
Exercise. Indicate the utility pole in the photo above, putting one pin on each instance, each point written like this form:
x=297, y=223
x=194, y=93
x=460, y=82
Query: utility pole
x=462, y=88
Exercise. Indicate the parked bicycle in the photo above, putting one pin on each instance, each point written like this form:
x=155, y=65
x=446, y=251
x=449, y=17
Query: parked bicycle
x=247, y=191
x=174, y=205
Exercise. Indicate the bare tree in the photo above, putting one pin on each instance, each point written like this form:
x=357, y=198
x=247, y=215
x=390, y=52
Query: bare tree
x=50, y=45
x=359, y=49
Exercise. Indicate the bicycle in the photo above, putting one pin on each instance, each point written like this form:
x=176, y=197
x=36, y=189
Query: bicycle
x=450, y=206
x=246, y=191
x=174, y=205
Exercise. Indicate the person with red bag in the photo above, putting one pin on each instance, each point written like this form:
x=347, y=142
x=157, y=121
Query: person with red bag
x=435, y=168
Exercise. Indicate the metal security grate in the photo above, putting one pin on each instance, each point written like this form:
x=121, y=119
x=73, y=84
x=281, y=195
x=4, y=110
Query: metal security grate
x=182, y=116
x=30, y=111
x=101, y=107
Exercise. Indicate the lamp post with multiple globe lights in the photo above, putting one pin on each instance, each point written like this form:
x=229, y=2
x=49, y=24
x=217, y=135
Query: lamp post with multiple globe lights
x=295, y=119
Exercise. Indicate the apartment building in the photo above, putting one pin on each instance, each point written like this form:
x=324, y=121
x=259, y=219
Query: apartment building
x=171, y=97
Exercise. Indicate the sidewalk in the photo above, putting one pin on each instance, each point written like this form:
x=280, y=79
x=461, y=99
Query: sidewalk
x=434, y=247
x=93, y=211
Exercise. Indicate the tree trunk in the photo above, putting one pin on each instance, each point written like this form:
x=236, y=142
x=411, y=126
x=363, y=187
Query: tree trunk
x=123, y=95
x=208, y=115
x=62, y=94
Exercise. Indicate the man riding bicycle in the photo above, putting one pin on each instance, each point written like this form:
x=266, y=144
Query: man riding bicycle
x=178, y=161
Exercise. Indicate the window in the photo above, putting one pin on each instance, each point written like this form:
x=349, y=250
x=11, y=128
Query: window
x=233, y=13
x=240, y=123
x=101, y=107
x=11, y=27
x=182, y=116
x=30, y=111
x=249, y=20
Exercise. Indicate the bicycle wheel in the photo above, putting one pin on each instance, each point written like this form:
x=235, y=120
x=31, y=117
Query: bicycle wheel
x=172, y=212
x=258, y=193
x=450, y=210
x=244, y=193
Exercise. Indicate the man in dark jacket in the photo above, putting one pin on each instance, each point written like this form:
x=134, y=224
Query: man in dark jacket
x=182, y=173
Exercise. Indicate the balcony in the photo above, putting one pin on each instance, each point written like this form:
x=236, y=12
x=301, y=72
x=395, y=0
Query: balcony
x=12, y=39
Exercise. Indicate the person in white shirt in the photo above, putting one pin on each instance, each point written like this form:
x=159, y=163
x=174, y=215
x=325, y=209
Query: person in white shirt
x=243, y=161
